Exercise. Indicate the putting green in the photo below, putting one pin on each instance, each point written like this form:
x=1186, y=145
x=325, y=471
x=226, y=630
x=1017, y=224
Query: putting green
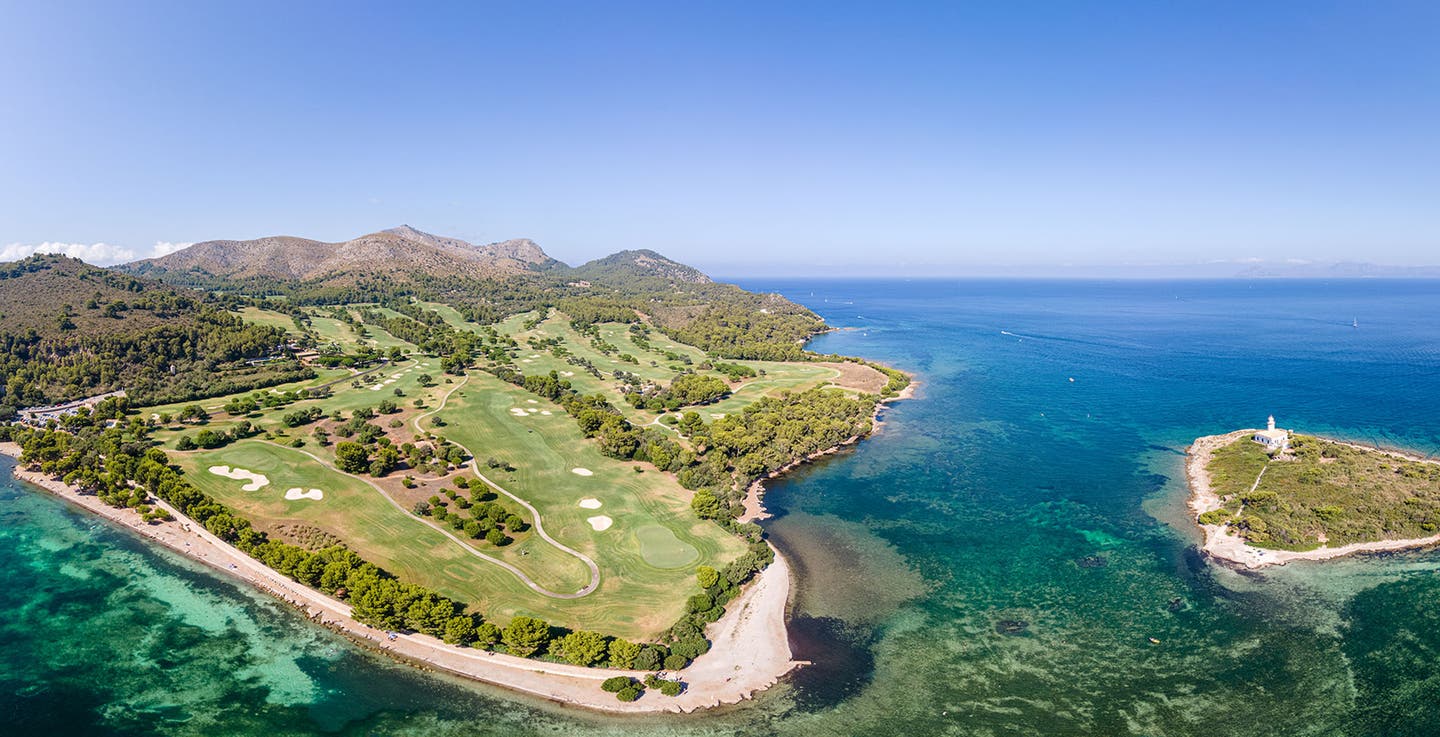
x=661, y=548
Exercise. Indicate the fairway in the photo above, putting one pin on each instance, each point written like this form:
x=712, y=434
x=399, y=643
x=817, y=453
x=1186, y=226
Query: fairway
x=360, y=515
x=546, y=448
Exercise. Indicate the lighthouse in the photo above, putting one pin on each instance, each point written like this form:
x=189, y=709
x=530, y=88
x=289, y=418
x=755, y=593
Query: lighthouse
x=1273, y=440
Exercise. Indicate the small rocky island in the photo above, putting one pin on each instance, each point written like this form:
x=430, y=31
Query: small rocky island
x=1266, y=497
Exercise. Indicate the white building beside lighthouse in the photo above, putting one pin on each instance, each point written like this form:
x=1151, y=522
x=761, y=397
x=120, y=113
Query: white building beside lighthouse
x=1274, y=440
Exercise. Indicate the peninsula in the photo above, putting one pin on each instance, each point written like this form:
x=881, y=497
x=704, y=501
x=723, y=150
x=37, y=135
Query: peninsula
x=1267, y=497
x=473, y=458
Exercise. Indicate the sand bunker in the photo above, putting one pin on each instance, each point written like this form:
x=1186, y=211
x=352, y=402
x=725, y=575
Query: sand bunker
x=519, y=412
x=600, y=523
x=567, y=373
x=254, y=481
x=299, y=493
x=546, y=412
x=589, y=503
x=582, y=472
x=531, y=401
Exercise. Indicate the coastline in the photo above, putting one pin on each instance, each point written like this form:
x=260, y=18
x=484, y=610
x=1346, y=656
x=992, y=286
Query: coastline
x=1233, y=548
x=755, y=495
x=750, y=648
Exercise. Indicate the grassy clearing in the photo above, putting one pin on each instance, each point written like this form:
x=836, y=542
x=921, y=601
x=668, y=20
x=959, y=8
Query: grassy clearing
x=451, y=315
x=1324, y=493
x=330, y=330
x=267, y=317
x=213, y=404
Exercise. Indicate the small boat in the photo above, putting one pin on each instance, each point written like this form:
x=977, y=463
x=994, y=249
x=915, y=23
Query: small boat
x=1153, y=641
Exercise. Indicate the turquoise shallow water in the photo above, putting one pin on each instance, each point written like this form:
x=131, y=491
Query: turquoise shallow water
x=1004, y=493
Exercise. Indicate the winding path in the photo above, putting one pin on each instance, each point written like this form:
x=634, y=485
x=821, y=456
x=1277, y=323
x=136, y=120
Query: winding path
x=539, y=524
x=524, y=578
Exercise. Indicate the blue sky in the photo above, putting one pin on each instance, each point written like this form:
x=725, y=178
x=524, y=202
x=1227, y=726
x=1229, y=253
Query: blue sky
x=773, y=136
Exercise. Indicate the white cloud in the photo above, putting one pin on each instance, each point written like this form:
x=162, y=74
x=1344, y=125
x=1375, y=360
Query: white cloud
x=165, y=248
x=101, y=254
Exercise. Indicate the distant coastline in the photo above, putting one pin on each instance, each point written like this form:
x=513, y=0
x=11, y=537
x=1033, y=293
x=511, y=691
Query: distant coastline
x=1220, y=544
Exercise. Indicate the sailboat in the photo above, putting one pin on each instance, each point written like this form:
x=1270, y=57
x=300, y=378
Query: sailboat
x=1355, y=323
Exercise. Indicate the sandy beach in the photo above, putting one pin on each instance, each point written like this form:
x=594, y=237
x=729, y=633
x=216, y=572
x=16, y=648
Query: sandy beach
x=750, y=645
x=1232, y=548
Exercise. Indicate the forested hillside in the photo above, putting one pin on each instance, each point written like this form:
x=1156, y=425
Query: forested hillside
x=489, y=283
x=69, y=330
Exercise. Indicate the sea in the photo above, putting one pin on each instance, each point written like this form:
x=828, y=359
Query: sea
x=1009, y=555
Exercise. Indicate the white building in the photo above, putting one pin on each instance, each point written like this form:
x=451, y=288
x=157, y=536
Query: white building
x=1273, y=440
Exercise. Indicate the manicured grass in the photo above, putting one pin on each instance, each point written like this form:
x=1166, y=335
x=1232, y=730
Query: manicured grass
x=331, y=330
x=267, y=317
x=662, y=549
x=213, y=404
x=361, y=517
x=636, y=595
x=452, y=316
x=1325, y=493
x=778, y=376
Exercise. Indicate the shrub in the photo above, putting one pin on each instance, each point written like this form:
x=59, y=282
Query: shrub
x=629, y=694
x=617, y=684
x=1215, y=517
x=651, y=657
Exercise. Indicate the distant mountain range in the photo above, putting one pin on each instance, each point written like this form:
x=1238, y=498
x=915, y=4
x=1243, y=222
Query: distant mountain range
x=397, y=250
x=1343, y=270
x=1209, y=270
x=397, y=253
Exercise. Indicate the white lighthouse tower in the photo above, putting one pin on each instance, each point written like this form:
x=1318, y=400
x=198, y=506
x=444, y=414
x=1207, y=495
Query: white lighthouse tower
x=1273, y=440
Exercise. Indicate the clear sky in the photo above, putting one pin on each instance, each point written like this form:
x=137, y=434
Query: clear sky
x=766, y=135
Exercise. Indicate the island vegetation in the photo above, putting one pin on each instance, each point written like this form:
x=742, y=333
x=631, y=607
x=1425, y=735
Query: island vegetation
x=1321, y=493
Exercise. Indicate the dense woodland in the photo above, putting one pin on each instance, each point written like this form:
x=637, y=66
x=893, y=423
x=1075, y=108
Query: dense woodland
x=69, y=330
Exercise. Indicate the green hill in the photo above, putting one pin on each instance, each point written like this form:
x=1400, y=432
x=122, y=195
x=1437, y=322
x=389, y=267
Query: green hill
x=69, y=330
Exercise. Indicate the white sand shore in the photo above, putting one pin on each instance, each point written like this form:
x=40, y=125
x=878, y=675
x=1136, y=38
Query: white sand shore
x=1219, y=543
x=750, y=650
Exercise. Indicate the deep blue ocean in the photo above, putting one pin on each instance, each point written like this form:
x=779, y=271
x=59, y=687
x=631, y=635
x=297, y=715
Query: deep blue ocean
x=993, y=562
